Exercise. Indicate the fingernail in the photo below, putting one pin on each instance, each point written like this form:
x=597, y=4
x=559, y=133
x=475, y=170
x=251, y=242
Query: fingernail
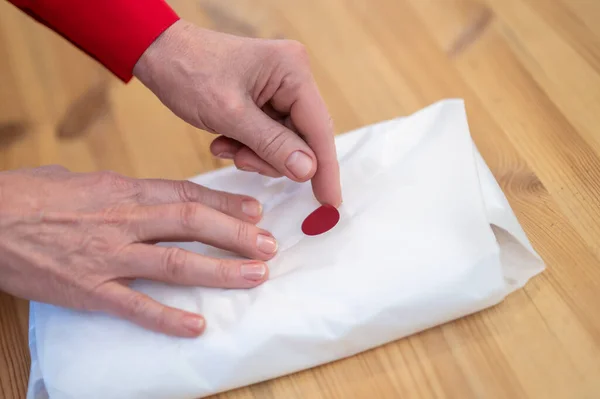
x=194, y=323
x=248, y=169
x=252, y=208
x=266, y=244
x=225, y=155
x=299, y=164
x=254, y=271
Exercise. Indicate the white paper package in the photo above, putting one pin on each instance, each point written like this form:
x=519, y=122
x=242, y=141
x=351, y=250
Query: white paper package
x=425, y=236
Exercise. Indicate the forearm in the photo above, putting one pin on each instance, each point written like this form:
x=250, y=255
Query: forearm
x=114, y=32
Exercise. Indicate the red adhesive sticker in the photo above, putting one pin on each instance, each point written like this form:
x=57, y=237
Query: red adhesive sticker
x=321, y=220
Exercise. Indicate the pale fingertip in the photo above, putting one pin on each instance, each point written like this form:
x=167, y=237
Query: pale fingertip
x=254, y=272
x=225, y=155
x=247, y=168
x=252, y=208
x=223, y=144
x=266, y=244
x=194, y=324
x=299, y=164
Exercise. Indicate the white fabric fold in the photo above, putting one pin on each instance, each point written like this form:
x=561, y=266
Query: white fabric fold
x=425, y=236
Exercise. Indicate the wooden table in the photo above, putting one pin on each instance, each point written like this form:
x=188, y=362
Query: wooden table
x=529, y=71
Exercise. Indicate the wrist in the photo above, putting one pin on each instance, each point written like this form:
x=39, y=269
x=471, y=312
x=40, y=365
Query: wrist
x=156, y=55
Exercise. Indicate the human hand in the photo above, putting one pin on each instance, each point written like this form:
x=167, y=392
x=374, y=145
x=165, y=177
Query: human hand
x=259, y=95
x=76, y=240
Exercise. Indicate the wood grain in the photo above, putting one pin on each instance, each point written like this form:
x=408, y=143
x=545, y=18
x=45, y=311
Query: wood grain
x=529, y=71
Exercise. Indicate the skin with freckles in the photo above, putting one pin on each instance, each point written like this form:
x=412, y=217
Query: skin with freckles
x=77, y=240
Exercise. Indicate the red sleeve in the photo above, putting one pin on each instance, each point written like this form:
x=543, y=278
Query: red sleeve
x=114, y=32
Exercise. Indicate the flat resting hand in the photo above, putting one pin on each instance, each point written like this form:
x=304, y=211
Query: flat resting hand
x=76, y=240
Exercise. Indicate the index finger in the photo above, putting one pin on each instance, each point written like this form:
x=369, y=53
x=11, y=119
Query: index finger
x=311, y=118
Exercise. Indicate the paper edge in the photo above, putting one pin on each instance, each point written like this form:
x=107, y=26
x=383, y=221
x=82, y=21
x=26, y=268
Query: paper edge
x=511, y=226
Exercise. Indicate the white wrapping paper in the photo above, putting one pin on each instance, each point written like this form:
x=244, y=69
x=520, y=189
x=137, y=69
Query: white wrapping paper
x=425, y=236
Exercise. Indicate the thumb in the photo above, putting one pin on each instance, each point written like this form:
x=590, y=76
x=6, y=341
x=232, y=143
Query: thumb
x=276, y=144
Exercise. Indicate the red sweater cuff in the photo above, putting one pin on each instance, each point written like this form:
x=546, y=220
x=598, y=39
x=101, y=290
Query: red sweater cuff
x=114, y=32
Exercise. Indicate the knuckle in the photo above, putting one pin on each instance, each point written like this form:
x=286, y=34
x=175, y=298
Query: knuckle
x=116, y=216
x=297, y=50
x=96, y=245
x=121, y=184
x=58, y=168
x=132, y=188
x=112, y=216
x=188, y=216
x=174, y=262
x=226, y=110
x=242, y=232
x=231, y=104
x=223, y=202
x=107, y=178
x=292, y=82
x=184, y=191
x=269, y=145
x=225, y=274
